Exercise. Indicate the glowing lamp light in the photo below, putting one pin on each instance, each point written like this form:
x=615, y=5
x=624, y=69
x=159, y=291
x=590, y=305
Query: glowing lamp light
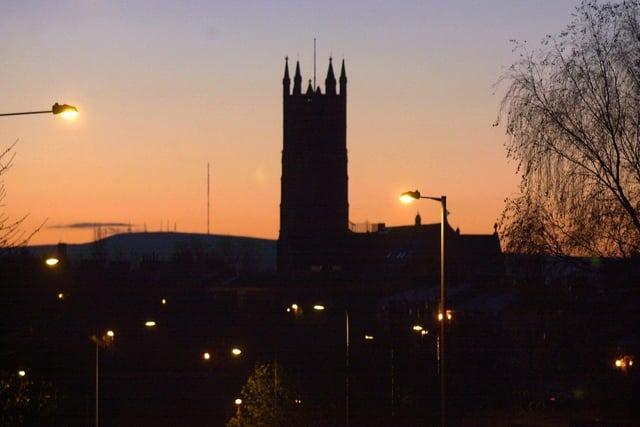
x=163, y=301
x=52, y=261
x=318, y=307
x=440, y=317
x=238, y=401
x=236, y=351
x=67, y=112
x=409, y=197
x=110, y=333
x=206, y=355
x=368, y=337
x=424, y=332
x=150, y=323
x=618, y=363
x=60, y=295
x=21, y=373
x=294, y=307
x=417, y=328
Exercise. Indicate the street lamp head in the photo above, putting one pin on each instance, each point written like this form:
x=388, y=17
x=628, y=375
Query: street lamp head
x=110, y=333
x=238, y=401
x=236, y=351
x=52, y=261
x=409, y=196
x=318, y=307
x=65, y=111
x=150, y=323
x=21, y=373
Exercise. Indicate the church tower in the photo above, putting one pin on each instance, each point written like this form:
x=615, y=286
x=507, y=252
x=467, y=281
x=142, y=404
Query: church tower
x=314, y=206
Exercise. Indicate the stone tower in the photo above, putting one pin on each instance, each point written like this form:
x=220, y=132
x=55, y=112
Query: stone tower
x=314, y=206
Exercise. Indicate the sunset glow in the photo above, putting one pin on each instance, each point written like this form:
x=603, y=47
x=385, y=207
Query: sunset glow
x=159, y=99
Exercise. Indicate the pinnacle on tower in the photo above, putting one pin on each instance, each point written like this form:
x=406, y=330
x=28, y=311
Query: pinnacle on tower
x=330, y=81
x=297, y=80
x=286, y=81
x=309, y=89
x=343, y=80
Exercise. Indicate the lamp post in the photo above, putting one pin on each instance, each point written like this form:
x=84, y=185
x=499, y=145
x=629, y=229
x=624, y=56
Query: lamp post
x=64, y=110
x=320, y=308
x=408, y=197
x=101, y=341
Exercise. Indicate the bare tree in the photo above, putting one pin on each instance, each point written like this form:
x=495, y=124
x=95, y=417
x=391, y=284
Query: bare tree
x=572, y=114
x=11, y=234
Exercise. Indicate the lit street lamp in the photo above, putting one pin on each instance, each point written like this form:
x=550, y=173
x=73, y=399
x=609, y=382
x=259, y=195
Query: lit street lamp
x=236, y=351
x=238, y=403
x=101, y=341
x=320, y=308
x=66, y=111
x=22, y=373
x=408, y=197
x=51, y=261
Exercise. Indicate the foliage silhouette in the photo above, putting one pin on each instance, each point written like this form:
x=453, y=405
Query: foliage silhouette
x=572, y=113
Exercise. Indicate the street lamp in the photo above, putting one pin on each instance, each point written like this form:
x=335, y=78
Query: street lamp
x=320, y=308
x=51, y=261
x=101, y=341
x=64, y=110
x=238, y=402
x=409, y=197
x=236, y=351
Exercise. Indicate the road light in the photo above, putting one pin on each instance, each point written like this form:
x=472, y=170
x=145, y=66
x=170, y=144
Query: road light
x=417, y=328
x=238, y=402
x=409, y=197
x=347, y=357
x=64, y=110
x=236, y=351
x=22, y=373
x=101, y=341
x=163, y=301
x=206, y=356
x=150, y=323
x=60, y=296
x=52, y=261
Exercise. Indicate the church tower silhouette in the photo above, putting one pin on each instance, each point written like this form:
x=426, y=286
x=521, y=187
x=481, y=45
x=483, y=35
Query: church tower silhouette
x=314, y=205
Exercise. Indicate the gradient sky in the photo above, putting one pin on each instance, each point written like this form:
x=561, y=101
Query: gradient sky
x=165, y=86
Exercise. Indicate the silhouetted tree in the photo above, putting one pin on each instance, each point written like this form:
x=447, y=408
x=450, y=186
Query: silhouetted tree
x=572, y=112
x=268, y=400
x=10, y=232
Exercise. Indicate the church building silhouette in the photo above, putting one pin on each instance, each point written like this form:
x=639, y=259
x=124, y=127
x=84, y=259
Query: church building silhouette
x=316, y=238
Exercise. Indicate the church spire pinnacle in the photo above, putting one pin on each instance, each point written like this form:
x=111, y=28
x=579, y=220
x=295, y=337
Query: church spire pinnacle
x=297, y=80
x=286, y=81
x=330, y=81
x=343, y=80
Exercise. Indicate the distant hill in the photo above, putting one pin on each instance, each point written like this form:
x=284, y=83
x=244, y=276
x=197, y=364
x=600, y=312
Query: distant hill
x=133, y=247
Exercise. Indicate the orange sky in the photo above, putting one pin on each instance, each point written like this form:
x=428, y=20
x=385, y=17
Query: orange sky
x=164, y=87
